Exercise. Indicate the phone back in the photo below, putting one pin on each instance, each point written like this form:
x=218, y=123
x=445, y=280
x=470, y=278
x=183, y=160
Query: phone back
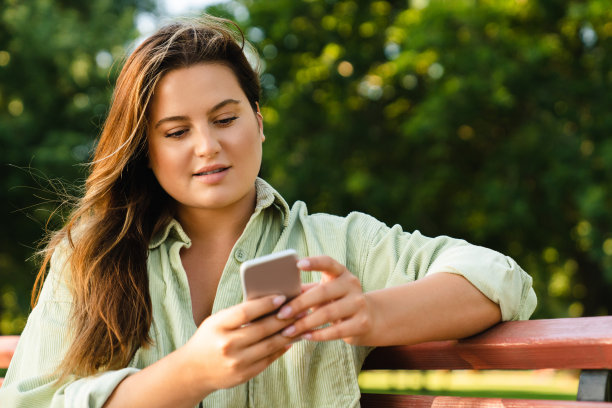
x=271, y=274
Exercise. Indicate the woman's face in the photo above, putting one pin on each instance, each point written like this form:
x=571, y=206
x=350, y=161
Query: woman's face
x=205, y=141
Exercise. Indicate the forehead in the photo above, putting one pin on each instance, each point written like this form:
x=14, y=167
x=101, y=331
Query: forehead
x=195, y=87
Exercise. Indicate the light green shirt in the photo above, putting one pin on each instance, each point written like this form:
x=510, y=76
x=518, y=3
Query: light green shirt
x=310, y=374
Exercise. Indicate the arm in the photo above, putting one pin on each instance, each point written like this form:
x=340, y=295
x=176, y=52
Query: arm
x=439, y=306
x=32, y=376
x=225, y=351
x=180, y=379
x=157, y=385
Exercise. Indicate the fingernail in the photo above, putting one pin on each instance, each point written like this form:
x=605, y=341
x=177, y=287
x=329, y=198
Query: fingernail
x=303, y=264
x=288, y=331
x=307, y=336
x=279, y=300
x=284, y=313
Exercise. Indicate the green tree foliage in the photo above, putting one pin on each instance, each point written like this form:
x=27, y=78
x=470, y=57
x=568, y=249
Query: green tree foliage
x=55, y=58
x=486, y=120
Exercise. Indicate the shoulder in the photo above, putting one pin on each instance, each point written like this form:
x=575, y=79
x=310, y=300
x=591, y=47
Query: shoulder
x=57, y=281
x=333, y=234
x=354, y=220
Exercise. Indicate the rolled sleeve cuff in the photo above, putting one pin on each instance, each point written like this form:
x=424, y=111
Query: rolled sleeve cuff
x=497, y=276
x=94, y=391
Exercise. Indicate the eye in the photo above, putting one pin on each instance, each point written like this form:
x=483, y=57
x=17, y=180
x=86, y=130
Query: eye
x=177, y=134
x=226, y=121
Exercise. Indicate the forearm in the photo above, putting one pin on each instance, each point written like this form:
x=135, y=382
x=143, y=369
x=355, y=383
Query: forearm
x=229, y=348
x=166, y=383
x=441, y=306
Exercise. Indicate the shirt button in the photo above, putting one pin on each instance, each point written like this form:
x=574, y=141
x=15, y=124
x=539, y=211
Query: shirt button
x=240, y=255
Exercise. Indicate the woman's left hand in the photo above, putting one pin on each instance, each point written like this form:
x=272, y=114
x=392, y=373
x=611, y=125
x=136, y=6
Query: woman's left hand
x=337, y=299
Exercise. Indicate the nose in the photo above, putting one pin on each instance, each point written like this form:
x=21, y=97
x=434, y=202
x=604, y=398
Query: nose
x=206, y=144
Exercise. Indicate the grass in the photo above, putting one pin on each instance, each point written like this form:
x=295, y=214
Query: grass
x=531, y=384
x=535, y=384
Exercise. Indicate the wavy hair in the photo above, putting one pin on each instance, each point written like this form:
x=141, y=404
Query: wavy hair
x=123, y=205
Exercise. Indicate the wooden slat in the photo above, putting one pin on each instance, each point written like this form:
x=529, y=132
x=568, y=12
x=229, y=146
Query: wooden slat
x=423, y=401
x=584, y=343
x=7, y=348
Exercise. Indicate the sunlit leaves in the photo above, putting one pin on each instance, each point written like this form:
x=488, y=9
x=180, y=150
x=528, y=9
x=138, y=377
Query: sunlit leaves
x=487, y=120
x=56, y=71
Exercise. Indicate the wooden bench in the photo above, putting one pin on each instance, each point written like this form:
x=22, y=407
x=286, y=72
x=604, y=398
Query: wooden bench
x=7, y=349
x=575, y=343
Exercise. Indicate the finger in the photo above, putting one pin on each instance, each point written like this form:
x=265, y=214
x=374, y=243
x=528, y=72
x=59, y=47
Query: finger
x=247, y=367
x=322, y=263
x=344, y=330
x=313, y=298
x=261, y=329
x=322, y=294
x=261, y=364
x=243, y=313
x=330, y=313
x=307, y=286
x=268, y=346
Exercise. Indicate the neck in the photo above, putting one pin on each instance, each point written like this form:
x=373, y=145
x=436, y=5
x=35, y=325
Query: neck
x=204, y=226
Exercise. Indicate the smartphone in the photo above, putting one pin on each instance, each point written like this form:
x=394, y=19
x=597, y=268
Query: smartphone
x=272, y=274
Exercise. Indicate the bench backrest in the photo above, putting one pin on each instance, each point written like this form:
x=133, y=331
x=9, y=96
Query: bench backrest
x=574, y=343
x=7, y=349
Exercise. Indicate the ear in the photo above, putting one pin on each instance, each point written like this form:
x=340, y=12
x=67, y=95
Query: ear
x=260, y=122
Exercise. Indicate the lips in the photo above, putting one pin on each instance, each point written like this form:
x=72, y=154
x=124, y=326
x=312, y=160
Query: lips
x=205, y=171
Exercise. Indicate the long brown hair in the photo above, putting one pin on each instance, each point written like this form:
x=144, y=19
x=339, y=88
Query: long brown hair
x=123, y=206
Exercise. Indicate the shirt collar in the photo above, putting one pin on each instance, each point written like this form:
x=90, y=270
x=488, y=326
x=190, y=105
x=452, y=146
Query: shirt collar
x=267, y=197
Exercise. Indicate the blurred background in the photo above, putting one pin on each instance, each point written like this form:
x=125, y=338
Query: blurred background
x=488, y=120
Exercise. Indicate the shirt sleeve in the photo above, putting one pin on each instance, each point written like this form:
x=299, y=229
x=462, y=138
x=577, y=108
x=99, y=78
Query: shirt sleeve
x=31, y=380
x=399, y=257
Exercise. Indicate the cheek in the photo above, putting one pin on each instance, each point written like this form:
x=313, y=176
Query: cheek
x=164, y=161
x=251, y=151
x=153, y=159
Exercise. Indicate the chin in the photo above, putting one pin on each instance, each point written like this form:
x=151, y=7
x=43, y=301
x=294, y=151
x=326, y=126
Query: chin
x=216, y=203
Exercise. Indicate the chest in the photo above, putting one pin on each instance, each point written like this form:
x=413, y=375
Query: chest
x=203, y=275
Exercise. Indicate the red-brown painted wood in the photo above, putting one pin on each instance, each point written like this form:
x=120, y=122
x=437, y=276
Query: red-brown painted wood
x=7, y=348
x=584, y=343
x=423, y=401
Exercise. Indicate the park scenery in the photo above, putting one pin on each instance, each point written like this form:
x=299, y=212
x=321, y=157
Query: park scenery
x=487, y=120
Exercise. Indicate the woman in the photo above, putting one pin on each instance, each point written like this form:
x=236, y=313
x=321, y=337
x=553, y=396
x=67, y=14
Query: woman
x=142, y=303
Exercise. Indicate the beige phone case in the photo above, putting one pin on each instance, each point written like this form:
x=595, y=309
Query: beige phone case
x=276, y=273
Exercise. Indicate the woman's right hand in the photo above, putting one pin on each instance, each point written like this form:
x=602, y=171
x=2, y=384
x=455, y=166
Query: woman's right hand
x=229, y=347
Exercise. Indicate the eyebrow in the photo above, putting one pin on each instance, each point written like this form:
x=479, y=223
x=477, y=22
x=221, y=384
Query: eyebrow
x=211, y=110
